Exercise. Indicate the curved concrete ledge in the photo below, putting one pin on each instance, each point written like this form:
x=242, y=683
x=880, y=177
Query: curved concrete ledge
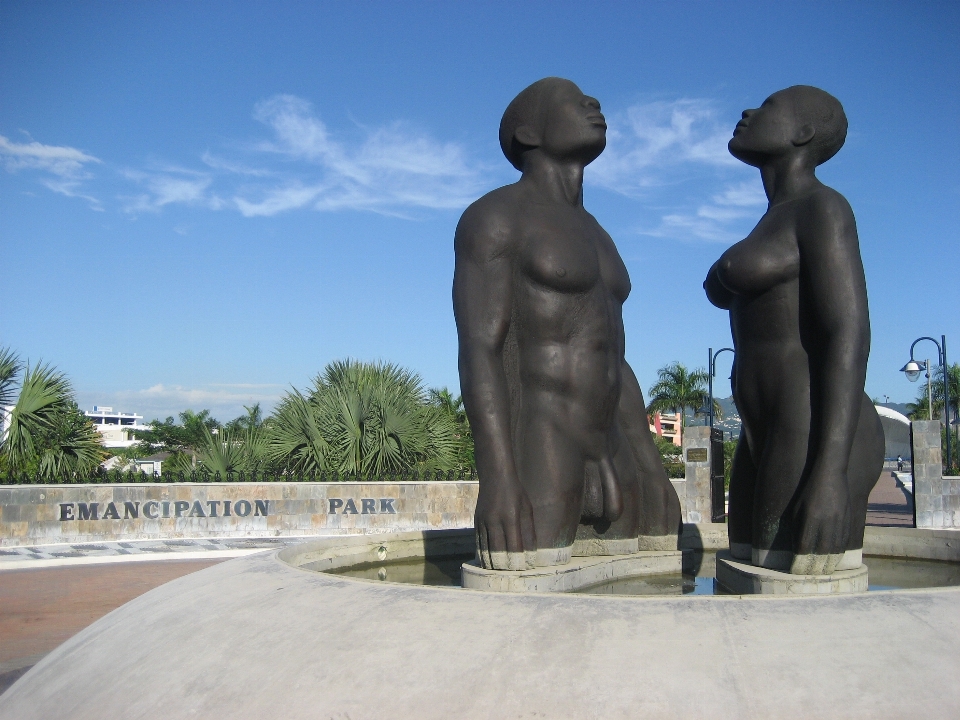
x=256, y=637
x=743, y=578
x=579, y=573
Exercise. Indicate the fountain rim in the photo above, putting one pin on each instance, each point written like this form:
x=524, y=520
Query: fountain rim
x=372, y=542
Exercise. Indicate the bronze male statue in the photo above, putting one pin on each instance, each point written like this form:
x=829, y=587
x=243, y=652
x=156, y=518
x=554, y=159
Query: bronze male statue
x=811, y=447
x=563, y=447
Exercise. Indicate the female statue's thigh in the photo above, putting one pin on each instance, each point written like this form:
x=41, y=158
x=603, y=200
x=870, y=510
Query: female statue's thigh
x=743, y=476
x=779, y=471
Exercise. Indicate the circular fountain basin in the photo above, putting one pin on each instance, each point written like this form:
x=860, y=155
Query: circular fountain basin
x=447, y=560
x=268, y=636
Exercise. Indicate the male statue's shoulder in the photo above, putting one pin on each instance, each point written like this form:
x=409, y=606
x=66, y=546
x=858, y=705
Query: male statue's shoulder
x=489, y=222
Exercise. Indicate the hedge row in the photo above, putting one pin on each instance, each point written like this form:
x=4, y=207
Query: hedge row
x=205, y=476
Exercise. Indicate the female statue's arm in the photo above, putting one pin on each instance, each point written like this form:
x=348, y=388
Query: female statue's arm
x=835, y=327
x=482, y=308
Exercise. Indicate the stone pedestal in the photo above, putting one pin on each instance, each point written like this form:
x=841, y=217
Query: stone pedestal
x=744, y=579
x=578, y=573
x=696, y=457
x=936, y=499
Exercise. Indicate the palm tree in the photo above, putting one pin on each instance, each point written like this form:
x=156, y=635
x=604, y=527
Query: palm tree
x=452, y=405
x=232, y=450
x=918, y=409
x=184, y=440
x=253, y=419
x=10, y=366
x=361, y=418
x=46, y=434
x=677, y=389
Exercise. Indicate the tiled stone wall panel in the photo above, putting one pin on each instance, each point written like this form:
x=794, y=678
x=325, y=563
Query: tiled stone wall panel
x=30, y=515
x=936, y=498
x=696, y=503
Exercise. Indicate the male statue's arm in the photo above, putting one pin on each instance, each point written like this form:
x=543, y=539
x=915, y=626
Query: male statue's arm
x=834, y=293
x=482, y=307
x=660, y=513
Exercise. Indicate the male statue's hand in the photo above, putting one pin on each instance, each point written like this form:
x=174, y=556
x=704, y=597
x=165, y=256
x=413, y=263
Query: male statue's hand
x=821, y=525
x=506, y=539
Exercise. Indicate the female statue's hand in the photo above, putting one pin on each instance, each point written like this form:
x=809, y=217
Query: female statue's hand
x=821, y=525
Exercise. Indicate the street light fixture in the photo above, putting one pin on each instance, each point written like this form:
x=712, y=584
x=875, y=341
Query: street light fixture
x=712, y=368
x=912, y=371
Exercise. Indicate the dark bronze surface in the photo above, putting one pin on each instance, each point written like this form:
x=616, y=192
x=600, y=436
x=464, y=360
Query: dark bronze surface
x=563, y=447
x=812, y=444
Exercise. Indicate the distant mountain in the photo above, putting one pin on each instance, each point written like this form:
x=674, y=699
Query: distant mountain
x=730, y=423
x=731, y=418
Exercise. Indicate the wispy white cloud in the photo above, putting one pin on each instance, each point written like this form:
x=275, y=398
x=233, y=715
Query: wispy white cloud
x=388, y=169
x=59, y=160
x=67, y=165
x=651, y=144
x=277, y=200
x=720, y=220
x=218, y=163
x=159, y=401
x=171, y=185
x=671, y=156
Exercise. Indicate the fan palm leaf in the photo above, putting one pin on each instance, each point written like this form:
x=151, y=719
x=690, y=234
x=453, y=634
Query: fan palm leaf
x=10, y=367
x=372, y=418
x=677, y=389
x=44, y=392
x=294, y=439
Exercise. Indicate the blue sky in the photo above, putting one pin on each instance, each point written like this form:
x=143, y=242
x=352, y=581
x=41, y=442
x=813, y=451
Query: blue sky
x=203, y=203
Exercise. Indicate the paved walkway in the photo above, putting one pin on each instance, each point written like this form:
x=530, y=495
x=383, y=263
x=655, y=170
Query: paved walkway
x=35, y=556
x=41, y=608
x=49, y=593
x=889, y=504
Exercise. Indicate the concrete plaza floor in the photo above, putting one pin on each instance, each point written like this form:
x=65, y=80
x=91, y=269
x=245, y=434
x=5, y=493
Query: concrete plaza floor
x=889, y=504
x=50, y=593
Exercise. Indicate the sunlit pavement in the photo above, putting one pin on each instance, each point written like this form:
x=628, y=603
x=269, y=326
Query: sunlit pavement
x=889, y=505
x=41, y=608
x=48, y=593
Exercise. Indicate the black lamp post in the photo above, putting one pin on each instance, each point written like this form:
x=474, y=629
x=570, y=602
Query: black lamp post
x=712, y=367
x=912, y=371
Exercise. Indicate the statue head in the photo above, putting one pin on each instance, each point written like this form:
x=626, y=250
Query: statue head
x=801, y=119
x=555, y=116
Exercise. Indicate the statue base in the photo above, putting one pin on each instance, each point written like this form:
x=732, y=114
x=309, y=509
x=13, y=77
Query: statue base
x=742, y=578
x=579, y=573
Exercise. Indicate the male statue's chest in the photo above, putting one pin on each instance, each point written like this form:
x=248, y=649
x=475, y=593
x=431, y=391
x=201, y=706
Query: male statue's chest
x=572, y=255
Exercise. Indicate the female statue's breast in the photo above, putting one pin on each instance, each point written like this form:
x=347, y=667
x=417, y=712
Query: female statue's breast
x=760, y=262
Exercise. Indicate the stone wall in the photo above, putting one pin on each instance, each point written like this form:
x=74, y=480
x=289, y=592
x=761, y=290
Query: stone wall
x=40, y=514
x=696, y=454
x=936, y=498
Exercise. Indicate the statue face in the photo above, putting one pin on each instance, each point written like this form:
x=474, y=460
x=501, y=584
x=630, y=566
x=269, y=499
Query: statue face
x=766, y=131
x=572, y=126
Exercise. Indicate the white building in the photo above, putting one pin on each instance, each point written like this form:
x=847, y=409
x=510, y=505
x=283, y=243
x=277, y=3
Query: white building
x=5, y=411
x=115, y=427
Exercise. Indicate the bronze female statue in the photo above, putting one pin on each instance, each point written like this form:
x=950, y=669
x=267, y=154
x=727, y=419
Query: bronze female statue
x=811, y=447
